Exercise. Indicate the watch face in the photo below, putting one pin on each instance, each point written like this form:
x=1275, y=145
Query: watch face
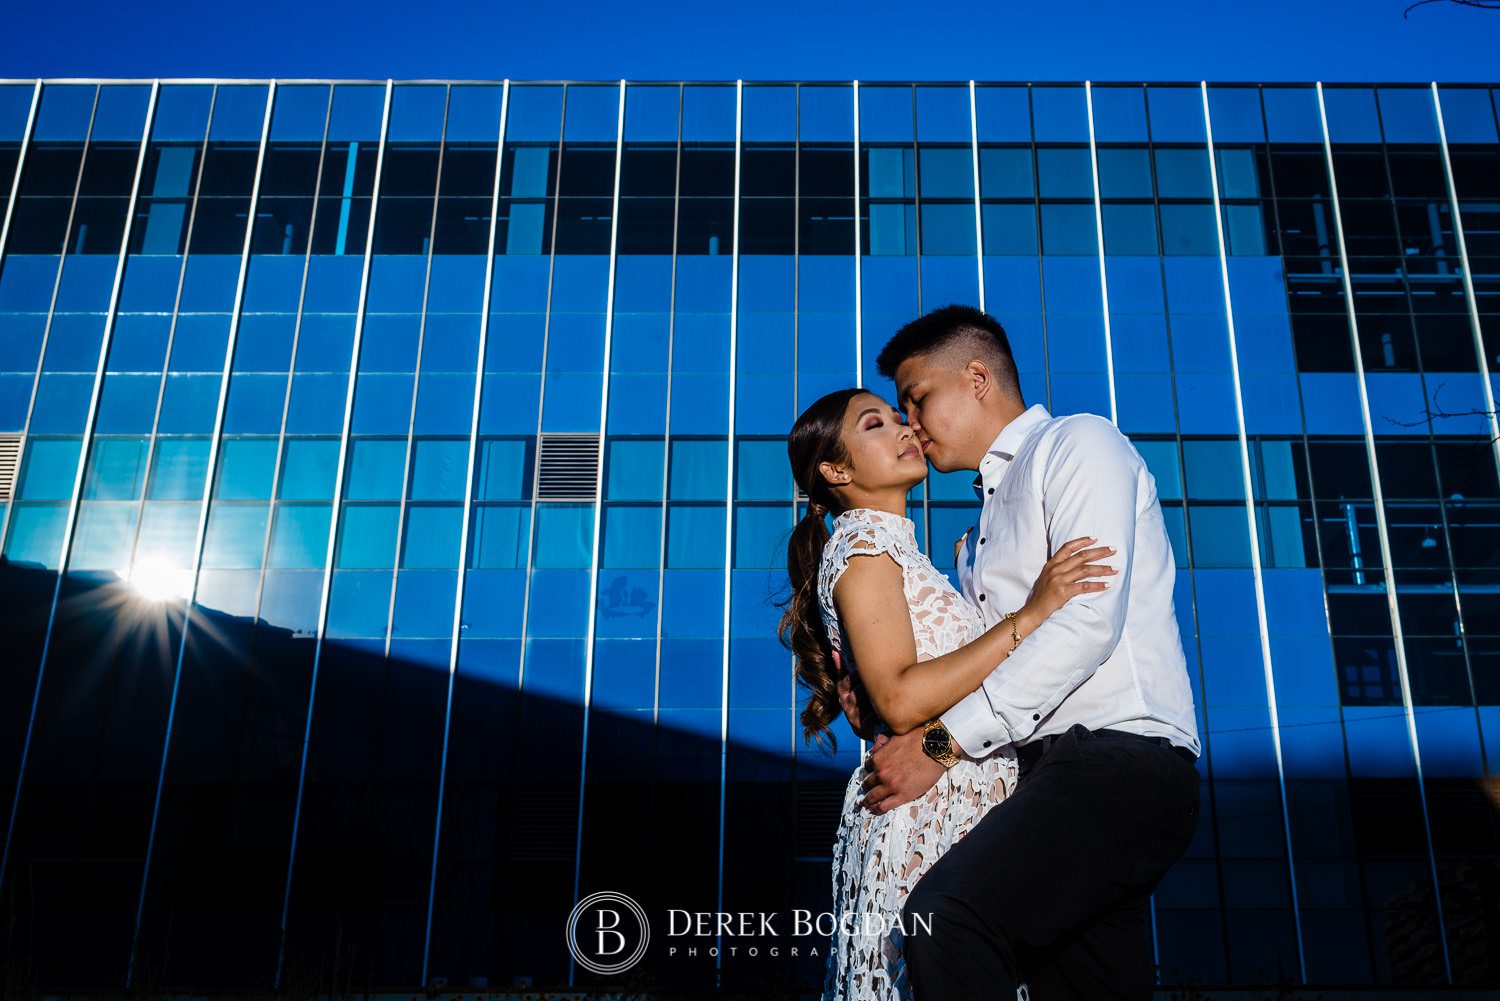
x=936, y=742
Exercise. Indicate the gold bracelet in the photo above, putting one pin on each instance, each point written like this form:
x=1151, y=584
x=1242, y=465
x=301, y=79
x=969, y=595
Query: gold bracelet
x=1015, y=634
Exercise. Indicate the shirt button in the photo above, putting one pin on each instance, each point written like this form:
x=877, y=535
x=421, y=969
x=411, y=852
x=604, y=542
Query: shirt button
x=1036, y=716
x=981, y=542
x=986, y=743
x=981, y=597
x=992, y=489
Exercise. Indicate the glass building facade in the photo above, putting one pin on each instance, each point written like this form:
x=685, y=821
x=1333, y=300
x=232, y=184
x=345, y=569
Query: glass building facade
x=393, y=497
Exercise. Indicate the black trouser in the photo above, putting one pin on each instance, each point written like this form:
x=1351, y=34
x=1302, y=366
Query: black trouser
x=1050, y=887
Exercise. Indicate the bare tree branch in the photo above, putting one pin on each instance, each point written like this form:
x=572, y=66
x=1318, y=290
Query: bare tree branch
x=1480, y=4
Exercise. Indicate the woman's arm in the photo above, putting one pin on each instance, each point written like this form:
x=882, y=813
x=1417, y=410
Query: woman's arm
x=876, y=622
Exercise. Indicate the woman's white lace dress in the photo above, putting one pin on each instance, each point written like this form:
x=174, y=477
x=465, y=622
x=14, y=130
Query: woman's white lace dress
x=878, y=858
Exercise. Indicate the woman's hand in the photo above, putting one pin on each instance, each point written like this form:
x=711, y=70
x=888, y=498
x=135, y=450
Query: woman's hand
x=1064, y=575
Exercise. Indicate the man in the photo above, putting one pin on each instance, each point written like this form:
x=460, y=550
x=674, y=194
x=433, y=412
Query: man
x=1050, y=887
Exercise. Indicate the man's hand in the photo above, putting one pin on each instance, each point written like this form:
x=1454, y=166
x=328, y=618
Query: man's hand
x=856, y=703
x=899, y=772
x=958, y=547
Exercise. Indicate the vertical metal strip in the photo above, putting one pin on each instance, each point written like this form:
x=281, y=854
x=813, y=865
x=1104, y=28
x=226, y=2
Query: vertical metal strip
x=333, y=519
x=1255, y=562
x=463, y=537
x=213, y=456
x=859, y=308
x=1463, y=254
x=734, y=315
x=588, y=647
x=1380, y=522
x=978, y=205
x=70, y=525
x=1109, y=351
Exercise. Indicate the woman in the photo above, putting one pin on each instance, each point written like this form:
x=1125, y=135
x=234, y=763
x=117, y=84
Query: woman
x=854, y=457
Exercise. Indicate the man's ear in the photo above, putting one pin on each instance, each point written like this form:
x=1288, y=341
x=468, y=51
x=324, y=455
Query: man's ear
x=981, y=381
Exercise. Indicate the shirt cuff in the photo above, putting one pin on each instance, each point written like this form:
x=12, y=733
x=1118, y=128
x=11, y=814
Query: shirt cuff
x=974, y=726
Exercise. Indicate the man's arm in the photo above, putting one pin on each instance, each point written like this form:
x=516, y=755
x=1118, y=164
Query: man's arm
x=1089, y=483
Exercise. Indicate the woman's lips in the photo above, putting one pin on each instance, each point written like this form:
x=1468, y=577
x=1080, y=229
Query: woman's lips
x=910, y=450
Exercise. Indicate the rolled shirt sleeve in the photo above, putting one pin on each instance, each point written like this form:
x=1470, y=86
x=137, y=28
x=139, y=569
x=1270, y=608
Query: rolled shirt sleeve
x=1091, y=483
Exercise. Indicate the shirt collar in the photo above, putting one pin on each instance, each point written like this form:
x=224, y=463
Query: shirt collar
x=1003, y=449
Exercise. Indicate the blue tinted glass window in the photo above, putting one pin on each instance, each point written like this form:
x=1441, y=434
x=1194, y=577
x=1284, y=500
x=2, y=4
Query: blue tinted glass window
x=36, y=532
x=121, y=114
x=1213, y=470
x=500, y=537
x=1003, y=113
x=1161, y=460
x=300, y=114
x=1176, y=114
x=357, y=113
x=1009, y=229
x=947, y=173
x=827, y=113
x=179, y=469
x=564, y=536
x=708, y=114
x=651, y=113
x=438, y=470
x=49, y=469
x=1119, y=114
x=236, y=536
x=695, y=536
x=1183, y=173
x=117, y=469
x=417, y=113
x=943, y=114
x=591, y=113
x=632, y=537
x=1065, y=173
x=698, y=469
x=300, y=538
x=65, y=112
x=367, y=538
x=534, y=113
x=309, y=469
x=376, y=469
x=1130, y=229
x=431, y=539
x=948, y=229
x=885, y=114
x=1124, y=173
x=1068, y=229
x=1006, y=173
x=504, y=470
x=1236, y=114
x=770, y=114
x=181, y=112
x=761, y=535
x=1221, y=536
x=762, y=470
x=1189, y=230
x=634, y=469
x=1061, y=114
x=239, y=113
x=103, y=538
x=168, y=530
x=247, y=467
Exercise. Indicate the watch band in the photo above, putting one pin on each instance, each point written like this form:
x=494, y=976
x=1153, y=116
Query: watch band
x=937, y=743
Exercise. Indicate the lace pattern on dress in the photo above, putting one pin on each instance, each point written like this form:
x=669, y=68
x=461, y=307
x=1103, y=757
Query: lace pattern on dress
x=878, y=858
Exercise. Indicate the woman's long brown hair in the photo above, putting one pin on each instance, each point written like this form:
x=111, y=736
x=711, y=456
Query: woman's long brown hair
x=816, y=437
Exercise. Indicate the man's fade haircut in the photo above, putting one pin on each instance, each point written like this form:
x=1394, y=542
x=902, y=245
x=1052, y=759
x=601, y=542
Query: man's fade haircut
x=954, y=329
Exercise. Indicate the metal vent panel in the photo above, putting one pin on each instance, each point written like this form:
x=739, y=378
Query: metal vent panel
x=10, y=465
x=567, y=467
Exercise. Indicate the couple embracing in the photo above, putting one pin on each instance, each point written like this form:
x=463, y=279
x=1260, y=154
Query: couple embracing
x=1032, y=771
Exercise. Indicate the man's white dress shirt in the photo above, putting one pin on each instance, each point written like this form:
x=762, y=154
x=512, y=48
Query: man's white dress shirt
x=1110, y=658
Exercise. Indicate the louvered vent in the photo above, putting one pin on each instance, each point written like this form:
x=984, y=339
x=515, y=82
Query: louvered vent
x=818, y=806
x=10, y=462
x=567, y=467
x=544, y=826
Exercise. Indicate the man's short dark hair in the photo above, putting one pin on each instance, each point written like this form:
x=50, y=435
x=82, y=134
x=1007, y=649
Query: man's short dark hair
x=954, y=328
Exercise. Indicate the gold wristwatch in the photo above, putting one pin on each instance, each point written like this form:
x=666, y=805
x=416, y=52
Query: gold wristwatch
x=937, y=743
